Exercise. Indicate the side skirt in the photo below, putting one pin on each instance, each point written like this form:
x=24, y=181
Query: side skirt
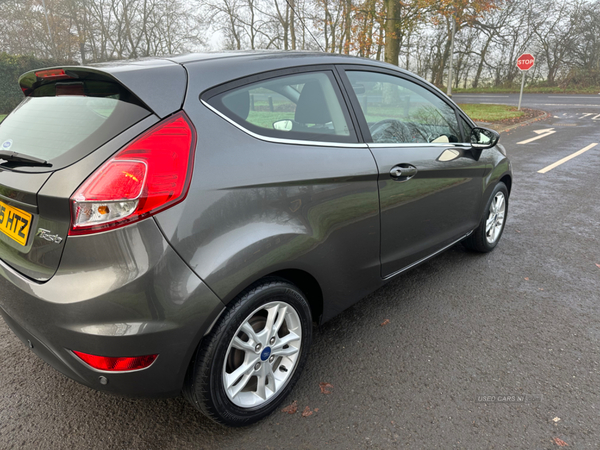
x=416, y=263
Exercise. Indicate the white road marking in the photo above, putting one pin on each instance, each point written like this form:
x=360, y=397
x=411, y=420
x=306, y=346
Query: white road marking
x=564, y=160
x=483, y=96
x=541, y=134
x=586, y=115
x=563, y=104
x=596, y=117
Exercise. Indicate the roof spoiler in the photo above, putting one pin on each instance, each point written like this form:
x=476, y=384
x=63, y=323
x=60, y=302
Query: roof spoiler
x=159, y=84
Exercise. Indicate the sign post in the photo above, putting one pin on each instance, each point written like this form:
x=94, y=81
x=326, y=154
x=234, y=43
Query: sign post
x=524, y=63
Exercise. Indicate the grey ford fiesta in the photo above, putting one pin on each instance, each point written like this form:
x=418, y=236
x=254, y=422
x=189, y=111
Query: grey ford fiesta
x=177, y=225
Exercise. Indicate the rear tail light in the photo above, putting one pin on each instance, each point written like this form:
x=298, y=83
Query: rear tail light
x=149, y=175
x=54, y=74
x=117, y=364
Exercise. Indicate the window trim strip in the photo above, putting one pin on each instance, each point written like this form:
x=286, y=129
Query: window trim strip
x=281, y=140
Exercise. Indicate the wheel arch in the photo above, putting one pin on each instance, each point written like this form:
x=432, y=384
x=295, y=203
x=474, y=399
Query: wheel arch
x=308, y=285
x=302, y=279
x=507, y=180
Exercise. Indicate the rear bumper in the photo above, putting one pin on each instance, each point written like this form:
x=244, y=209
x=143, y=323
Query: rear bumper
x=120, y=293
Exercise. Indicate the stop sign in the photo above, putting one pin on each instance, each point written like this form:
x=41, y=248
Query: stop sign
x=525, y=61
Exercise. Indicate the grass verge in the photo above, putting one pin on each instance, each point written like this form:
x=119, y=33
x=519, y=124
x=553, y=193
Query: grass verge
x=530, y=90
x=2, y=116
x=490, y=113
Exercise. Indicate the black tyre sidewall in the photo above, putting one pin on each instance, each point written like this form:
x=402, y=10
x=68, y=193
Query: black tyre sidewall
x=208, y=383
x=479, y=240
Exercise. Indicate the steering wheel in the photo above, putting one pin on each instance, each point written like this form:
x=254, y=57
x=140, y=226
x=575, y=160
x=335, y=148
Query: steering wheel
x=390, y=131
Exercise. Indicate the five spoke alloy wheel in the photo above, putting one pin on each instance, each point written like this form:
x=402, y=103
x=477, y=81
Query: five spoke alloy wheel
x=253, y=356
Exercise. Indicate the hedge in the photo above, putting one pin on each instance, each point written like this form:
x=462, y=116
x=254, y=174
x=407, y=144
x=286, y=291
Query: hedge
x=11, y=68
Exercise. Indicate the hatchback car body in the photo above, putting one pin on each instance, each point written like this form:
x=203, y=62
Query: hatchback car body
x=177, y=224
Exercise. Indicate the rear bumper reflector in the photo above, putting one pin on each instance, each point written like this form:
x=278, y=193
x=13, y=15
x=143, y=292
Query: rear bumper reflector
x=117, y=364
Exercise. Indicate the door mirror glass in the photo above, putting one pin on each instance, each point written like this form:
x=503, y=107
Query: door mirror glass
x=283, y=125
x=482, y=138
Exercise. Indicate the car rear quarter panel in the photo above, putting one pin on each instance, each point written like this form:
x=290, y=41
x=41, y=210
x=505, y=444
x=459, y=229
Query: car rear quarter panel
x=257, y=207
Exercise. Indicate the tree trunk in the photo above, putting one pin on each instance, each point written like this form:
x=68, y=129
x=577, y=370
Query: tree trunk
x=392, y=37
x=348, y=27
x=292, y=24
x=481, y=61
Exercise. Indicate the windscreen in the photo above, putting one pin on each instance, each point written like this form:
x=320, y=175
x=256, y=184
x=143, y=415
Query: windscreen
x=64, y=121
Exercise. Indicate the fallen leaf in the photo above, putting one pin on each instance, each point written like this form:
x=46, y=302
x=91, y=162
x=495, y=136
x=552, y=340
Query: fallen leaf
x=291, y=409
x=527, y=278
x=307, y=412
x=384, y=323
x=541, y=289
x=560, y=442
x=597, y=264
x=556, y=419
x=316, y=409
x=325, y=388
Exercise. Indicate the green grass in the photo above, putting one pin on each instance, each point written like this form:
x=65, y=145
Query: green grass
x=490, y=113
x=265, y=119
x=530, y=90
x=2, y=116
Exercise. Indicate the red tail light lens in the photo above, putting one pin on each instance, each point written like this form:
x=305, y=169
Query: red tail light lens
x=150, y=174
x=52, y=74
x=117, y=364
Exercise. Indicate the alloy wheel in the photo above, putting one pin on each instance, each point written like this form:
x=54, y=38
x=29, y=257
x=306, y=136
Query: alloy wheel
x=495, y=220
x=262, y=355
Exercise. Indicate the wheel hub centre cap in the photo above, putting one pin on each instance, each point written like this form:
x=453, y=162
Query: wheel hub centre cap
x=265, y=354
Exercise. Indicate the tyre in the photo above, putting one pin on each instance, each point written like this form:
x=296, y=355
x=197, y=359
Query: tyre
x=487, y=235
x=252, y=358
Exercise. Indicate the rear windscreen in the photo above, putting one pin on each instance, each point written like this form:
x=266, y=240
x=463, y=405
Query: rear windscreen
x=63, y=122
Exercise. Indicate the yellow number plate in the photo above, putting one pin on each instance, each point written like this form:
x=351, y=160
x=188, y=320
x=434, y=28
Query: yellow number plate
x=15, y=223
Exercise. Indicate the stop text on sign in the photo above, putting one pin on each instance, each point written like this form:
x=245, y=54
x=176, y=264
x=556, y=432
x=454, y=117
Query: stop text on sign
x=525, y=61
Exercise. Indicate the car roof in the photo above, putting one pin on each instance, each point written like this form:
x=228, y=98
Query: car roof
x=292, y=56
x=285, y=58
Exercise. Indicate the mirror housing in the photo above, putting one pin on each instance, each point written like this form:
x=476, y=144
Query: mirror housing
x=482, y=138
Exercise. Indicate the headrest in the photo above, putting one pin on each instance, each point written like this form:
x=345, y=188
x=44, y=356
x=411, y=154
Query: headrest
x=311, y=107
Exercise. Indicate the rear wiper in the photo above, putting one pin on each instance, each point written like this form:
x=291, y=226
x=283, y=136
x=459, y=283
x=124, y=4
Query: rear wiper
x=23, y=159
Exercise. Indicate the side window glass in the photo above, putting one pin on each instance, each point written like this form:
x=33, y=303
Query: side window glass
x=466, y=127
x=305, y=106
x=401, y=112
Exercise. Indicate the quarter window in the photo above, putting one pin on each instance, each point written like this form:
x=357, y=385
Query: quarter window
x=400, y=111
x=304, y=106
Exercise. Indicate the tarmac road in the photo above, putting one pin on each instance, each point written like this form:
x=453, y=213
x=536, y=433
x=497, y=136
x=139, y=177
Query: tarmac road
x=481, y=351
x=536, y=101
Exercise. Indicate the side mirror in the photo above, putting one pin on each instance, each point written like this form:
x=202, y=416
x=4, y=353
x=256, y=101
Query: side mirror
x=482, y=138
x=283, y=125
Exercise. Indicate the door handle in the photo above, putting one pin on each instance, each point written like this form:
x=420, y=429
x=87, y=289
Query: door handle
x=403, y=172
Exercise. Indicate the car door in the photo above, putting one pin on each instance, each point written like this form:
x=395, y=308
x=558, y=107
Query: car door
x=429, y=178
